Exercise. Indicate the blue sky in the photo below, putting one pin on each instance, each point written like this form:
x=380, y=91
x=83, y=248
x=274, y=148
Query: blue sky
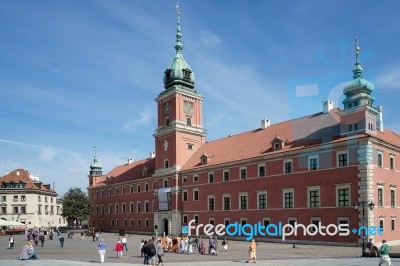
x=76, y=74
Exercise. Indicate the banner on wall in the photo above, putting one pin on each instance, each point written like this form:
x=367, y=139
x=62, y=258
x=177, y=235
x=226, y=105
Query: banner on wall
x=164, y=199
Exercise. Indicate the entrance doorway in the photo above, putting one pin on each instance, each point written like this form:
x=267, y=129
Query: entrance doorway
x=165, y=227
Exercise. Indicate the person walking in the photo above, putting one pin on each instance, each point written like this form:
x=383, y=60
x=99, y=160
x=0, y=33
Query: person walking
x=225, y=244
x=42, y=239
x=11, y=242
x=119, y=248
x=384, y=251
x=124, y=244
x=252, y=251
x=102, y=250
x=61, y=239
x=159, y=250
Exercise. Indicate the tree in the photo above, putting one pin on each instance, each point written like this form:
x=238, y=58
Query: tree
x=76, y=206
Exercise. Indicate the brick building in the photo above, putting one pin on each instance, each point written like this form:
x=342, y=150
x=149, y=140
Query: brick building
x=337, y=166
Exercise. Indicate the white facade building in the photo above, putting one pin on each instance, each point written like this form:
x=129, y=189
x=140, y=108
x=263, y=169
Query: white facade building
x=23, y=198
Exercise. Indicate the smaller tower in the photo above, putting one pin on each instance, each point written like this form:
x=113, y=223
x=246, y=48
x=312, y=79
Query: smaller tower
x=95, y=169
x=359, y=115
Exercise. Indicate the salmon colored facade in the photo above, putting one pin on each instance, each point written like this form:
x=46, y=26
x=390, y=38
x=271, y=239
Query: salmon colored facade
x=337, y=168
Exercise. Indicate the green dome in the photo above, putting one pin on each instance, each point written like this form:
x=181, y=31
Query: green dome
x=179, y=71
x=95, y=164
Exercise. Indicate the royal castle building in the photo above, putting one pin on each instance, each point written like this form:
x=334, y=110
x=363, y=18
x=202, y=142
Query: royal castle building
x=338, y=168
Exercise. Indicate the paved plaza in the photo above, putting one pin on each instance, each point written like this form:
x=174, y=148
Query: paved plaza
x=84, y=252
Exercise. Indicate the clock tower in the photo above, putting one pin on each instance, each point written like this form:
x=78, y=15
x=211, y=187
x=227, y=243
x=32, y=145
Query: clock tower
x=179, y=130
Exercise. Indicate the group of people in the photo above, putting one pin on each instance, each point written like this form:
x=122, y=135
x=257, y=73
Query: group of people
x=384, y=250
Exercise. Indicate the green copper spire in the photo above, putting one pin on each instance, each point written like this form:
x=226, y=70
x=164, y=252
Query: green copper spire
x=95, y=168
x=179, y=72
x=357, y=71
x=179, y=45
x=358, y=91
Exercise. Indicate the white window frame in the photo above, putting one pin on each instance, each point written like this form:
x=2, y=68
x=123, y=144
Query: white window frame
x=391, y=223
x=223, y=175
x=392, y=188
x=284, y=191
x=209, y=174
x=342, y=186
x=198, y=193
x=284, y=166
x=379, y=152
x=265, y=169
x=381, y=187
x=208, y=202
x=247, y=200
x=187, y=195
x=223, y=202
x=263, y=192
x=240, y=172
x=311, y=157
x=313, y=188
x=392, y=157
x=338, y=155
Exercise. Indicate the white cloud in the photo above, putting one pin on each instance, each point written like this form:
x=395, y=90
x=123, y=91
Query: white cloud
x=390, y=79
x=132, y=125
x=209, y=38
x=47, y=154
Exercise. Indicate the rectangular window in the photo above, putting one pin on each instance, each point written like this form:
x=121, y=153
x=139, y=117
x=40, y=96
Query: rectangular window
x=195, y=178
x=146, y=222
x=262, y=200
x=288, y=167
x=288, y=196
x=392, y=197
x=343, y=196
x=166, y=163
x=393, y=224
x=381, y=223
x=266, y=222
x=210, y=178
x=227, y=203
x=109, y=208
x=380, y=197
x=146, y=187
x=23, y=210
x=196, y=194
x=116, y=208
x=184, y=195
x=3, y=198
x=211, y=203
x=185, y=219
x=342, y=159
x=380, y=157
x=132, y=207
x=196, y=219
x=226, y=175
x=123, y=208
x=261, y=170
x=243, y=173
x=139, y=207
x=116, y=191
x=15, y=210
x=243, y=202
x=131, y=189
x=226, y=222
x=146, y=206
x=138, y=188
x=15, y=198
x=4, y=210
x=313, y=197
x=313, y=163
x=391, y=160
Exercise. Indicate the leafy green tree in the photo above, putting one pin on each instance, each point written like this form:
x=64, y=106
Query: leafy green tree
x=76, y=206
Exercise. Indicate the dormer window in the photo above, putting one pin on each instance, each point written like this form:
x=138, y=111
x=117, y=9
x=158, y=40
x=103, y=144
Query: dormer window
x=277, y=146
x=204, y=159
x=168, y=73
x=145, y=171
x=277, y=143
x=186, y=73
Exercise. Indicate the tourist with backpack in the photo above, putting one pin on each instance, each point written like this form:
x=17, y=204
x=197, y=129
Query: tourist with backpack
x=151, y=252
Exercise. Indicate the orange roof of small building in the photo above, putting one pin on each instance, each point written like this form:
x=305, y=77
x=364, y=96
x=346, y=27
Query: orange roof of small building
x=22, y=175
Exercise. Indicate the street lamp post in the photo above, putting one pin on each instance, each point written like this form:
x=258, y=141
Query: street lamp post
x=363, y=205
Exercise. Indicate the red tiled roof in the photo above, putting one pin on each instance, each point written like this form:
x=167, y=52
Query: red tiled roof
x=297, y=133
x=131, y=171
x=21, y=175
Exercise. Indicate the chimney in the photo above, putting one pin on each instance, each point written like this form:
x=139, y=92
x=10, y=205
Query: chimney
x=265, y=123
x=380, y=119
x=130, y=160
x=327, y=106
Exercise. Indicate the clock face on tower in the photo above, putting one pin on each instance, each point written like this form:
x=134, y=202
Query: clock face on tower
x=188, y=108
x=167, y=108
